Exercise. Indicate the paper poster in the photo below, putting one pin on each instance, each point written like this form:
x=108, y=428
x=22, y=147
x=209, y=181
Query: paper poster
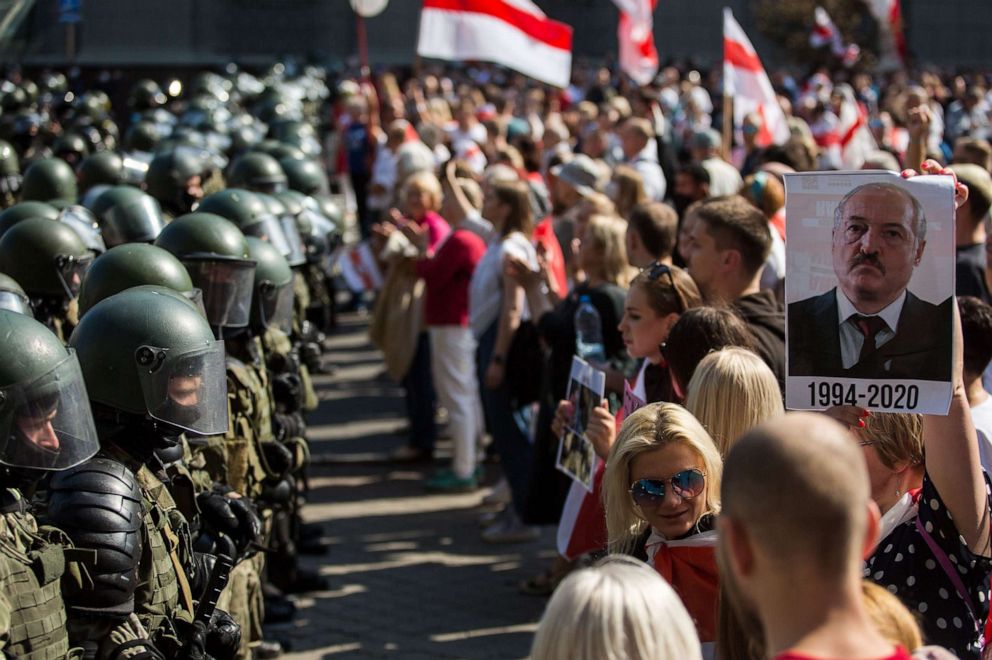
x=359, y=268
x=576, y=457
x=869, y=291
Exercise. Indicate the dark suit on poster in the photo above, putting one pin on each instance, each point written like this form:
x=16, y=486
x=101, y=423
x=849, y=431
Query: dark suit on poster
x=920, y=350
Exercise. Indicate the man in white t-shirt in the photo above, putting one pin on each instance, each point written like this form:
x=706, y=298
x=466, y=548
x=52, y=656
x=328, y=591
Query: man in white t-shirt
x=976, y=326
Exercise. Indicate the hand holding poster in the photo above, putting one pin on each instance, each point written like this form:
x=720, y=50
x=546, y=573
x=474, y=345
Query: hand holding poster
x=870, y=325
x=576, y=457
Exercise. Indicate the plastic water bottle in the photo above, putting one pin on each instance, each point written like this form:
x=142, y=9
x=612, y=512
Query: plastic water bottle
x=589, y=333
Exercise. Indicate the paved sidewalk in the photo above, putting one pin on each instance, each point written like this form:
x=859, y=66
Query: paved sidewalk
x=410, y=576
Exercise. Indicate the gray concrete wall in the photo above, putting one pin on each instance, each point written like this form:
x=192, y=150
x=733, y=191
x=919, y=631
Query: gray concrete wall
x=949, y=33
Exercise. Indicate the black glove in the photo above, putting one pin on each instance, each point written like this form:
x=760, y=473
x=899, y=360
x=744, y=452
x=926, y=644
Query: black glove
x=287, y=389
x=195, y=644
x=278, y=459
x=223, y=636
x=203, y=566
x=288, y=426
x=249, y=524
x=214, y=543
x=278, y=493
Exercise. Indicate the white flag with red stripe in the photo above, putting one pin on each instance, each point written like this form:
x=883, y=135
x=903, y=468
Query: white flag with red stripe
x=746, y=81
x=514, y=33
x=888, y=13
x=825, y=33
x=635, y=36
x=856, y=140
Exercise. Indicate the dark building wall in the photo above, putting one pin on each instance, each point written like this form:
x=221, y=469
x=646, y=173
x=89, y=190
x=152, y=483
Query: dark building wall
x=185, y=32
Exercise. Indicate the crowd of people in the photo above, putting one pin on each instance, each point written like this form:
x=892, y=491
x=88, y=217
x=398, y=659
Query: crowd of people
x=512, y=208
x=167, y=274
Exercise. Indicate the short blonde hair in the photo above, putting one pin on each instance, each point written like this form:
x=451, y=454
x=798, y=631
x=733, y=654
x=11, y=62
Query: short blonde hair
x=654, y=426
x=890, y=617
x=619, y=609
x=608, y=234
x=731, y=391
x=897, y=437
x=426, y=182
x=629, y=190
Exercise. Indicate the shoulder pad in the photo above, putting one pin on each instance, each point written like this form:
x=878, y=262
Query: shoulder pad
x=98, y=504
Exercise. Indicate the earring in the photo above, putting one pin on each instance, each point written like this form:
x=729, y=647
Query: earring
x=898, y=492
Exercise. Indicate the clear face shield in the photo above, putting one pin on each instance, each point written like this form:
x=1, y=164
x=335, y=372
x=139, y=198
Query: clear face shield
x=270, y=230
x=15, y=302
x=71, y=271
x=138, y=221
x=227, y=287
x=135, y=167
x=84, y=223
x=187, y=390
x=275, y=305
x=296, y=256
x=46, y=424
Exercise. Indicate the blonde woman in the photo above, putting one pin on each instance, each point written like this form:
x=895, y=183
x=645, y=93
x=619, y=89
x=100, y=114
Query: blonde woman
x=662, y=493
x=626, y=190
x=731, y=391
x=617, y=610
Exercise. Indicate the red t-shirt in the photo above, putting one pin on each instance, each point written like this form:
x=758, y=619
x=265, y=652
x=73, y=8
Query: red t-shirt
x=447, y=275
x=899, y=654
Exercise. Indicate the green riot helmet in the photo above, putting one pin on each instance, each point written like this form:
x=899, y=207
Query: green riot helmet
x=45, y=418
x=24, y=210
x=104, y=168
x=307, y=176
x=111, y=197
x=84, y=223
x=47, y=258
x=146, y=94
x=298, y=134
x=272, y=302
x=71, y=147
x=282, y=151
x=10, y=171
x=12, y=296
x=250, y=213
x=131, y=265
x=141, y=136
x=257, y=172
x=168, y=179
x=215, y=253
x=134, y=220
x=49, y=179
x=144, y=353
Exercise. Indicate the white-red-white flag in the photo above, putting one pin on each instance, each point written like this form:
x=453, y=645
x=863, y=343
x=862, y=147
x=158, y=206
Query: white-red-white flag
x=856, y=140
x=635, y=37
x=825, y=33
x=888, y=13
x=514, y=33
x=746, y=81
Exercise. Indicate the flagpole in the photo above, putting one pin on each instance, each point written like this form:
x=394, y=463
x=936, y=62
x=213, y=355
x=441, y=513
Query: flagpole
x=728, y=126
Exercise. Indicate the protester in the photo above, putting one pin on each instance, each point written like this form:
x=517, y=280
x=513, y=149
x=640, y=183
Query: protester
x=694, y=335
x=651, y=232
x=619, y=609
x=661, y=494
x=976, y=331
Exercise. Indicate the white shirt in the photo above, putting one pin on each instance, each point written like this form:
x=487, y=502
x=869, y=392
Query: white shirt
x=646, y=164
x=724, y=177
x=981, y=415
x=485, y=291
x=851, y=338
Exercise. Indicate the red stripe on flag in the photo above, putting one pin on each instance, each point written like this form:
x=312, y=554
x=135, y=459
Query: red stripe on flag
x=740, y=57
x=552, y=33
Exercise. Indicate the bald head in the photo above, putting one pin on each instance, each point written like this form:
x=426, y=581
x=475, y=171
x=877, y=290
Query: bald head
x=799, y=486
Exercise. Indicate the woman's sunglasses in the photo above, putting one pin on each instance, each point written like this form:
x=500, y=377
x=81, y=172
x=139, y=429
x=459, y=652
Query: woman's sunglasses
x=686, y=484
x=658, y=270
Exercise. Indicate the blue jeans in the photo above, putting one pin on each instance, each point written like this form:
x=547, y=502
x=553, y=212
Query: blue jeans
x=515, y=451
x=419, y=387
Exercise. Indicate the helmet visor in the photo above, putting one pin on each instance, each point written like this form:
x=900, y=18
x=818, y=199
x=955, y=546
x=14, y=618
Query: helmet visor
x=187, y=390
x=135, y=168
x=270, y=230
x=46, y=424
x=275, y=306
x=15, y=302
x=195, y=296
x=83, y=222
x=226, y=287
x=71, y=271
x=295, y=257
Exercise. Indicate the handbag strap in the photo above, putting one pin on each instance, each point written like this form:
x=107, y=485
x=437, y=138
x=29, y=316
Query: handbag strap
x=949, y=570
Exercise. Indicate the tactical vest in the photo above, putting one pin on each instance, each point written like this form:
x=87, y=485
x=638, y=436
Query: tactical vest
x=243, y=469
x=277, y=342
x=30, y=572
x=163, y=587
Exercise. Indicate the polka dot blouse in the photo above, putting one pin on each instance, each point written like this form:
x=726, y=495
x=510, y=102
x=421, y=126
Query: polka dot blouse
x=904, y=564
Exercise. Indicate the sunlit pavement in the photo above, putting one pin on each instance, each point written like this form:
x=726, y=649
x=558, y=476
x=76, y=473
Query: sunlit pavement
x=410, y=577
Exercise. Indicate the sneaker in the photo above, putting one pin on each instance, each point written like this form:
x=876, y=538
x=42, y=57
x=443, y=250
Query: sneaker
x=266, y=649
x=450, y=483
x=511, y=530
x=500, y=495
x=447, y=472
x=490, y=518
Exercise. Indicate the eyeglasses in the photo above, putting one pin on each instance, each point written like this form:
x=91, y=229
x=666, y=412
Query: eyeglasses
x=686, y=484
x=659, y=269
